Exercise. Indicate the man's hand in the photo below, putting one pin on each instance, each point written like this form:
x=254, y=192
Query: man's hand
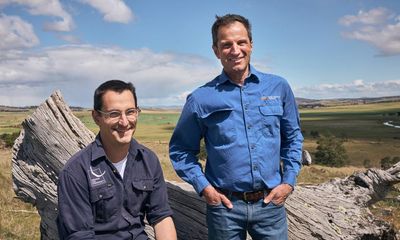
x=279, y=194
x=214, y=197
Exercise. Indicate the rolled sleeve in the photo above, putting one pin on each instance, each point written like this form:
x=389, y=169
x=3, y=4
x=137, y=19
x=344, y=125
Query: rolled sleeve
x=158, y=207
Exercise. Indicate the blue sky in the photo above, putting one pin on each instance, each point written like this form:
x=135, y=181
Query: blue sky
x=324, y=48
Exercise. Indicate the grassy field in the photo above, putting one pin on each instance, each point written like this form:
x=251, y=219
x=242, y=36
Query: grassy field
x=361, y=126
x=18, y=220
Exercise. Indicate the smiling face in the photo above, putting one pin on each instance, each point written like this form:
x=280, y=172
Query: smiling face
x=233, y=48
x=116, y=132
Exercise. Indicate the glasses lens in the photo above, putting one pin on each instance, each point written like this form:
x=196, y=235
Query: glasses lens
x=114, y=114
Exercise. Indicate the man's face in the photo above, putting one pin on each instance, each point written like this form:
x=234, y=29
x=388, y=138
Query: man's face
x=233, y=48
x=116, y=131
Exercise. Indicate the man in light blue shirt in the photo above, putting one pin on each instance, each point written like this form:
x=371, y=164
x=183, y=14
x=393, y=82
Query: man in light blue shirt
x=250, y=124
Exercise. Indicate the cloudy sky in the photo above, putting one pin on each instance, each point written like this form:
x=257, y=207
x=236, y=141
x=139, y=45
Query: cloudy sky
x=325, y=49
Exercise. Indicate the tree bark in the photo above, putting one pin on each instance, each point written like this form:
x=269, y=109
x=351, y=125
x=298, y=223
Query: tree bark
x=337, y=209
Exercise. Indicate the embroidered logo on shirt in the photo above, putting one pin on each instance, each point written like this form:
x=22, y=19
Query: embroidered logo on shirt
x=265, y=98
x=96, y=176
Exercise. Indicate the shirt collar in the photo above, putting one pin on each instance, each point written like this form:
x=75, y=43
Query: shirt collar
x=223, y=77
x=98, y=150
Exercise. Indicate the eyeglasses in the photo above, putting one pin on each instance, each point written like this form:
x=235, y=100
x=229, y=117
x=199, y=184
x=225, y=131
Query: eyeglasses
x=131, y=114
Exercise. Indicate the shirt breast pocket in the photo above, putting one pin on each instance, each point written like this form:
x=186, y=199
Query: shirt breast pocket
x=103, y=203
x=141, y=190
x=271, y=117
x=221, y=128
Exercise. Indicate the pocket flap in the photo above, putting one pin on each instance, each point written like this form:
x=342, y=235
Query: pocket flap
x=271, y=110
x=143, y=184
x=205, y=115
x=101, y=193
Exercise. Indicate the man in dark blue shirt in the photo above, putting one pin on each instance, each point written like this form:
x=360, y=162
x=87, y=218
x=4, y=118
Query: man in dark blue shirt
x=107, y=189
x=250, y=124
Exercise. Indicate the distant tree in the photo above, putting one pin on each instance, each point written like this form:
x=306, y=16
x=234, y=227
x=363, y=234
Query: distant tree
x=344, y=137
x=367, y=163
x=9, y=139
x=387, y=162
x=314, y=134
x=330, y=151
x=203, y=152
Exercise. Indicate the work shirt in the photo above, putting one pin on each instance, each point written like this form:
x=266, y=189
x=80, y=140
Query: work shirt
x=247, y=131
x=96, y=203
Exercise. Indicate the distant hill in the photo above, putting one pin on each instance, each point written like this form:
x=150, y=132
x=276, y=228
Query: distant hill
x=302, y=102
x=313, y=103
x=27, y=108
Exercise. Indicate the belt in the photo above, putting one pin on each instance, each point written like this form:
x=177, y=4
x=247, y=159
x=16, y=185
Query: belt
x=246, y=196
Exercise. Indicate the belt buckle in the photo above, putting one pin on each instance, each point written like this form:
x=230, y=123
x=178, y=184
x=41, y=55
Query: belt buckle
x=245, y=196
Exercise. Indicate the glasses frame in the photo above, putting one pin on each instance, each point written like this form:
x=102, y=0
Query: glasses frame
x=108, y=113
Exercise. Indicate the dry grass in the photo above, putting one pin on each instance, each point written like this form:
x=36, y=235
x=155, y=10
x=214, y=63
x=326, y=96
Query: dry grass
x=18, y=220
x=389, y=208
x=316, y=174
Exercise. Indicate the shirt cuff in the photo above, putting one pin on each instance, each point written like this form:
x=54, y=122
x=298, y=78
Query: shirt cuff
x=199, y=183
x=290, y=178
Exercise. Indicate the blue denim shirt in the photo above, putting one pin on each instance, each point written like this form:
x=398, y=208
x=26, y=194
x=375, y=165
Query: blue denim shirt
x=94, y=202
x=247, y=130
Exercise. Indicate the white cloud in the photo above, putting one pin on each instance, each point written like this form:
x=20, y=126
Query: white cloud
x=378, y=27
x=372, y=17
x=53, y=8
x=357, y=88
x=113, y=10
x=160, y=78
x=15, y=33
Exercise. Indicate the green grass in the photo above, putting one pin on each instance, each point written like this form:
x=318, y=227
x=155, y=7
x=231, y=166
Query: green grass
x=360, y=122
x=11, y=121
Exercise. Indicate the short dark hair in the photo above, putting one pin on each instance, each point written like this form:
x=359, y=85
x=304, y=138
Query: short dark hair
x=226, y=20
x=112, y=85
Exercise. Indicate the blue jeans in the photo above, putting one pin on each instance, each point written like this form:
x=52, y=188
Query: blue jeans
x=260, y=220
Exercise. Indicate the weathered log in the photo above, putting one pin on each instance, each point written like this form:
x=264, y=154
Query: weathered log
x=333, y=210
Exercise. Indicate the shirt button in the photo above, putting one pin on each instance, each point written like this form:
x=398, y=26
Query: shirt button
x=252, y=147
x=109, y=185
x=144, y=187
x=248, y=126
x=100, y=196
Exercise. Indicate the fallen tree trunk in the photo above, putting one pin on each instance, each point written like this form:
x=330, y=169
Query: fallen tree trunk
x=333, y=210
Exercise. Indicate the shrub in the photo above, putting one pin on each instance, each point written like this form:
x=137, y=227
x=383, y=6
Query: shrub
x=330, y=152
x=314, y=134
x=203, y=152
x=9, y=139
x=387, y=162
x=367, y=163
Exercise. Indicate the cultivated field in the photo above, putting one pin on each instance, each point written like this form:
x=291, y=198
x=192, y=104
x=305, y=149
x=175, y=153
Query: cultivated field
x=361, y=126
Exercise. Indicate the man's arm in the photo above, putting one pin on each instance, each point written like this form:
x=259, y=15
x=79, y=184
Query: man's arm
x=291, y=147
x=185, y=145
x=165, y=229
x=158, y=211
x=75, y=220
x=291, y=138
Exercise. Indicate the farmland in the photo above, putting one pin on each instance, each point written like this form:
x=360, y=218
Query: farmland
x=366, y=140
